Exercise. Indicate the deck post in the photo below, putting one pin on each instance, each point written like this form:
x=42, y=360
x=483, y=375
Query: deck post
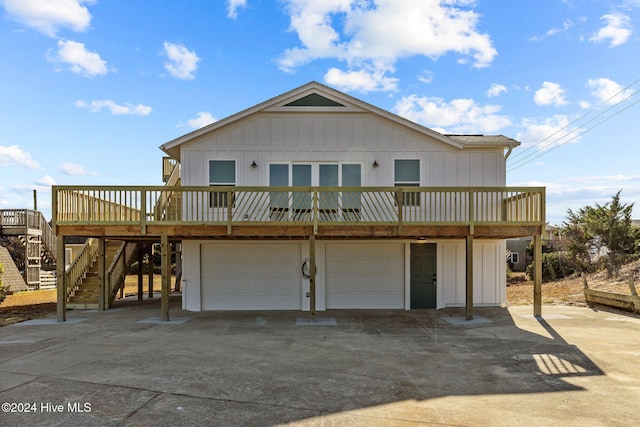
x=166, y=275
x=469, y=287
x=102, y=276
x=150, y=272
x=140, y=275
x=537, y=275
x=312, y=276
x=61, y=284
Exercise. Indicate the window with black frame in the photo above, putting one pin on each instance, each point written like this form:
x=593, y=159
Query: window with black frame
x=407, y=174
x=222, y=173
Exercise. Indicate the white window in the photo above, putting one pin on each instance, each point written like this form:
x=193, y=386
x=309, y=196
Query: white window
x=406, y=173
x=222, y=173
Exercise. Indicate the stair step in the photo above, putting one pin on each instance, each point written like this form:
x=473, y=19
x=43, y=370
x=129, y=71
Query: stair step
x=87, y=292
x=83, y=300
x=82, y=306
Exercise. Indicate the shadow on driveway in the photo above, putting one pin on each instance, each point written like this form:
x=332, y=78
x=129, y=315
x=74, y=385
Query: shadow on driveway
x=574, y=366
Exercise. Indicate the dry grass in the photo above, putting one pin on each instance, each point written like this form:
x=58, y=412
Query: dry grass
x=570, y=291
x=35, y=304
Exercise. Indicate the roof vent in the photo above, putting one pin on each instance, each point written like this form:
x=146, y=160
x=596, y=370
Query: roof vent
x=314, y=100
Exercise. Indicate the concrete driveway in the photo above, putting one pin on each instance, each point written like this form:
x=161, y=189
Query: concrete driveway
x=573, y=367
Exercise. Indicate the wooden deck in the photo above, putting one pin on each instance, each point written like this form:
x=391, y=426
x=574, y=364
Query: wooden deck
x=173, y=213
x=298, y=212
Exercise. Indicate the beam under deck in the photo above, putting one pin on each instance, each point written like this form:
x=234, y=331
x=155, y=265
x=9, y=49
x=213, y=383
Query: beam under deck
x=190, y=231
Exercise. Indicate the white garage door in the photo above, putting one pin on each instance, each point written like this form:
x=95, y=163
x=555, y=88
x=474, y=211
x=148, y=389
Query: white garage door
x=251, y=277
x=364, y=275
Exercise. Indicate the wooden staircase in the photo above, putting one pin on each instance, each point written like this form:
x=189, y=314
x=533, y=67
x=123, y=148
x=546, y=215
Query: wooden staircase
x=87, y=293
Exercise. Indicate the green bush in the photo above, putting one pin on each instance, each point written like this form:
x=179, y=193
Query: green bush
x=555, y=266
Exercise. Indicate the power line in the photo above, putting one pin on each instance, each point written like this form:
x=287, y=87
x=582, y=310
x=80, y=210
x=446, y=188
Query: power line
x=520, y=154
x=541, y=148
x=576, y=136
x=577, y=129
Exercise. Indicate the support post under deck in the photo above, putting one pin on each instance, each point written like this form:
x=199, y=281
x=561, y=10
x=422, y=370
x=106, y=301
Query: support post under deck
x=312, y=276
x=537, y=275
x=61, y=284
x=166, y=275
x=469, y=287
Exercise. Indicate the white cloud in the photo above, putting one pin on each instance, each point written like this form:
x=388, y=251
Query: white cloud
x=48, y=16
x=46, y=181
x=496, y=90
x=43, y=184
x=362, y=80
x=456, y=116
x=14, y=156
x=426, y=76
x=374, y=34
x=548, y=133
x=550, y=94
x=618, y=30
x=204, y=118
x=233, y=6
x=608, y=91
x=73, y=169
x=182, y=63
x=577, y=192
x=116, y=109
x=80, y=60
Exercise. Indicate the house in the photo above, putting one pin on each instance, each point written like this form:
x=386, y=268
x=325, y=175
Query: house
x=316, y=200
x=518, y=258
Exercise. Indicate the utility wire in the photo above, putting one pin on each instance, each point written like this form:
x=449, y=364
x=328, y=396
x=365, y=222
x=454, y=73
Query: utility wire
x=537, y=146
x=577, y=129
x=576, y=136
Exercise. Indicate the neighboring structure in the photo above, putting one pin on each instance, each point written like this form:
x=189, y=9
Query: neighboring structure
x=315, y=200
x=11, y=278
x=38, y=241
x=517, y=255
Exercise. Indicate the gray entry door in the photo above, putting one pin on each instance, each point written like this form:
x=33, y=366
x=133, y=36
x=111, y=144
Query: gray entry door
x=423, y=275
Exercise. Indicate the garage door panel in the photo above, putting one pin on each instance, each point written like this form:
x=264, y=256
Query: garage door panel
x=365, y=276
x=251, y=277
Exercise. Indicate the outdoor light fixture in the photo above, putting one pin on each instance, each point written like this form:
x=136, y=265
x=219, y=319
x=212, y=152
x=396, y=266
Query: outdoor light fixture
x=375, y=164
x=421, y=240
x=254, y=165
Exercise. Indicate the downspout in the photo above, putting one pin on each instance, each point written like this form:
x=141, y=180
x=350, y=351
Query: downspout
x=508, y=153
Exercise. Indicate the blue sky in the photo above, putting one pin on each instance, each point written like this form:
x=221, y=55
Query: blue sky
x=90, y=89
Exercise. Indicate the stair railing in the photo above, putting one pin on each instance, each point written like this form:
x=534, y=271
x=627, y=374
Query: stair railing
x=78, y=268
x=117, y=271
x=49, y=239
x=165, y=198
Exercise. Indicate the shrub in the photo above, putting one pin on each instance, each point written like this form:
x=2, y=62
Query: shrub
x=555, y=266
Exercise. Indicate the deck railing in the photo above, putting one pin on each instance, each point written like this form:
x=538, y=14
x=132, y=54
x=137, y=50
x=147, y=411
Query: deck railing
x=75, y=205
x=20, y=218
x=28, y=221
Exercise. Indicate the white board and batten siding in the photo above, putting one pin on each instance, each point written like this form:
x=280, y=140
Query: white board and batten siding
x=266, y=138
x=350, y=275
x=489, y=276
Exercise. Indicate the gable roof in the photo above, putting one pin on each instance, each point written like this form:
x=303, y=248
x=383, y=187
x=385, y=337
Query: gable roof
x=316, y=97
